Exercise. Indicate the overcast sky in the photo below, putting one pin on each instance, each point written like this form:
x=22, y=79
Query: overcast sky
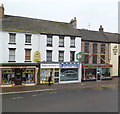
x=87, y=12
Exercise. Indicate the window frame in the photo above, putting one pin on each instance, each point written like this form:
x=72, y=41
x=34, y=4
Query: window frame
x=95, y=48
x=93, y=59
x=49, y=55
x=72, y=42
x=72, y=56
x=10, y=55
x=26, y=56
x=86, y=47
x=28, y=39
x=61, y=41
x=49, y=40
x=12, y=38
x=61, y=57
x=103, y=46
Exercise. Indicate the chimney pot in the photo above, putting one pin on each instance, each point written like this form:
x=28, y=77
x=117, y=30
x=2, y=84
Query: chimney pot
x=101, y=28
x=74, y=22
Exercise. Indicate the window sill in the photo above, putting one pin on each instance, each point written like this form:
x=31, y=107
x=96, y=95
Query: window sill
x=12, y=43
x=11, y=61
x=28, y=44
x=27, y=61
x=61, y=46
x=72, y=47
x=49, y=45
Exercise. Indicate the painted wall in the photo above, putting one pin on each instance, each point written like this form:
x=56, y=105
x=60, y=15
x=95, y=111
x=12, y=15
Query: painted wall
x=114, y=59
x=38, y=43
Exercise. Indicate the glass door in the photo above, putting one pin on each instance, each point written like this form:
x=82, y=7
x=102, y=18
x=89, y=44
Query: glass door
x=56, y=75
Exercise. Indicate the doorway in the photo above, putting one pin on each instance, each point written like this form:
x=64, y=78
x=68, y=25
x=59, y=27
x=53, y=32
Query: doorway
x=18, y=77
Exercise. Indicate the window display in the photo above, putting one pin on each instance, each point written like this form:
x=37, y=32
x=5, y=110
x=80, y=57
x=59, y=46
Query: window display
x=90, y=74
x=69, y=75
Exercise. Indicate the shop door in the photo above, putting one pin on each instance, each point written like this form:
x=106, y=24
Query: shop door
x=18, y=77
x=56, y=76
x=99, y=74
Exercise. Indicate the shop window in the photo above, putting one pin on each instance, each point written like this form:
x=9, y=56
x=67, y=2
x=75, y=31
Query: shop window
x=101, y=61
x=8, y=76
x=12, y=38
x=103, y=48
x=105, y=72
x=61, y=41
x=49, y=56
x=12, y=55
x=72, y=42
x=72, y=56
x=28, y=75
x=94, y=59
x=49, y=40
x=27, y=39
x=94, y=47
x=27, y=54
x=61, y=56
x=86, y=48
x=90, y=74
x=69, y=75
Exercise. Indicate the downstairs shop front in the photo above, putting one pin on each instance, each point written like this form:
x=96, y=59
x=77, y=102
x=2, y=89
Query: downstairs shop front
x=18, y=74
x=89, y=72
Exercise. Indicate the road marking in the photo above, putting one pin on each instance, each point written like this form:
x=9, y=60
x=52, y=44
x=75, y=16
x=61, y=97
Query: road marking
x=8, y=93
x=34, y=95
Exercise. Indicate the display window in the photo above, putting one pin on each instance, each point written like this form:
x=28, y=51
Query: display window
x=28, y=75
x=90, y=74
x=106, y=72
x=68, y=74
x=8, y=76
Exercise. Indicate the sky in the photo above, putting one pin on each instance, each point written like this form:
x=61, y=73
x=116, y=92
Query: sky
x=90, y=14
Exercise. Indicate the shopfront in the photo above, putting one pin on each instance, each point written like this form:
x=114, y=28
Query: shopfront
x=70, y=72
x=89, y=72
x=17, y=74
x=47, y=70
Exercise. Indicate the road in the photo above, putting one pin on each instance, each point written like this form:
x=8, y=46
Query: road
x=96, y=99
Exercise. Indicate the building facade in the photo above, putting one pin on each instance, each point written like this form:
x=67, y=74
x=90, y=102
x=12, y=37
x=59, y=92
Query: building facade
x=34, y=49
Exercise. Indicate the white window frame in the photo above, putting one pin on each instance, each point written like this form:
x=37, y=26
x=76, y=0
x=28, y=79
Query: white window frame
x=12, y=38
x=28, y=38
x=12, y=54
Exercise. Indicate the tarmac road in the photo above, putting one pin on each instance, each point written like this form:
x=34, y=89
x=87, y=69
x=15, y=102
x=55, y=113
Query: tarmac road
x=93, y=99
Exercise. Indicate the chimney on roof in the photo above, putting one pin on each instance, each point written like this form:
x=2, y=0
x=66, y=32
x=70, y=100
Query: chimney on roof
x=101, y=28
x=1, y=11
x=74, y=22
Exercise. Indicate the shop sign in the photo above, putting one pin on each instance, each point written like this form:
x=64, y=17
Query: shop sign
x=69, y=65
x=37, y=56
x=49, y=66
x=80, y=56
x=97, y=66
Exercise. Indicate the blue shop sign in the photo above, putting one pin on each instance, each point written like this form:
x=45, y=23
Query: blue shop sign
x=69, y=65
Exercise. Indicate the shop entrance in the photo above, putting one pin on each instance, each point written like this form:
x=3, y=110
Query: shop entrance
x=18, y=77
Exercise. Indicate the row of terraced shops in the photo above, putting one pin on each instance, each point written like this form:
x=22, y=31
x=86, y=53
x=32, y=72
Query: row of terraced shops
x=38, y=73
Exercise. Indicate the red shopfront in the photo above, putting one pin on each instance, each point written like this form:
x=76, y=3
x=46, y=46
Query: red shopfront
x=89, y=72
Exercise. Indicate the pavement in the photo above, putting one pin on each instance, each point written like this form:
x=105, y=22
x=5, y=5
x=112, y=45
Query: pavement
x=36, y=88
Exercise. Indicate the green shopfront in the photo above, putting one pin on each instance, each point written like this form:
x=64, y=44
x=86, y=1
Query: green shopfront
x=18, y=74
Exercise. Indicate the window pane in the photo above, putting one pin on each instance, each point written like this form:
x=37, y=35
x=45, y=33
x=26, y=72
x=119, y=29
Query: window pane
x=72, y=44
x=103, y=48
x=49, y=40
x=27, y=54
x=28, y=39
x=61, y=41
x=94, y=59
x=12, y=38
x=72, y=56
x=86, y=47
x=49, y=56
x=11, y=54
x=94, y=48
x=61, y=56
x=87, y=61
x=103, y=57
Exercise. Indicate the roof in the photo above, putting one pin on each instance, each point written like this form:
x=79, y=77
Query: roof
x=32, y=25
x=98, y=36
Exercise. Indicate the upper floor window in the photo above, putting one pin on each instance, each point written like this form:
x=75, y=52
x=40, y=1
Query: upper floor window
x=28, y=39
x=94, y=59
x=86, y=59
x=49, y=56
x=61, y=41
x=103, y=48
x=49, y=40
x=61, y=56
x=102, y=60
x=12, y=55
x=94, y=47
x=86, y=47
x=72, y=56
x=12, y=38
x=72, y=42
x=27, y=54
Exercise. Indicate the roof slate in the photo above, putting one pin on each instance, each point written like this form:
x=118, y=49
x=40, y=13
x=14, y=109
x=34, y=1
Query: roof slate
x=32, y=25
x=98, y=36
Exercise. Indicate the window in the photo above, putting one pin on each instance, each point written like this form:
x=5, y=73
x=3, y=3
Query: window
x=86, y=47
x=12, y=38
x=61, y=41
x=12, y=55
x=103, y=48
x=61, y=56
x=28, y=39
x=49, y=56
x=72, y=56
x=94, y=59
x=94, y=47
x=49, y=40
x=87, y=61
x=72, y=43
x=103, y=57
x=27, y=54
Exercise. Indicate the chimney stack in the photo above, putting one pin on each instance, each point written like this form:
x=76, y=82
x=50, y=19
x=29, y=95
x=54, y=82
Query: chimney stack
x=1, y=11
x=101, y=28
x=74, y=22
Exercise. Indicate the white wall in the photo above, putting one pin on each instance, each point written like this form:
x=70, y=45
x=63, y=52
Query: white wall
x=39, y=43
